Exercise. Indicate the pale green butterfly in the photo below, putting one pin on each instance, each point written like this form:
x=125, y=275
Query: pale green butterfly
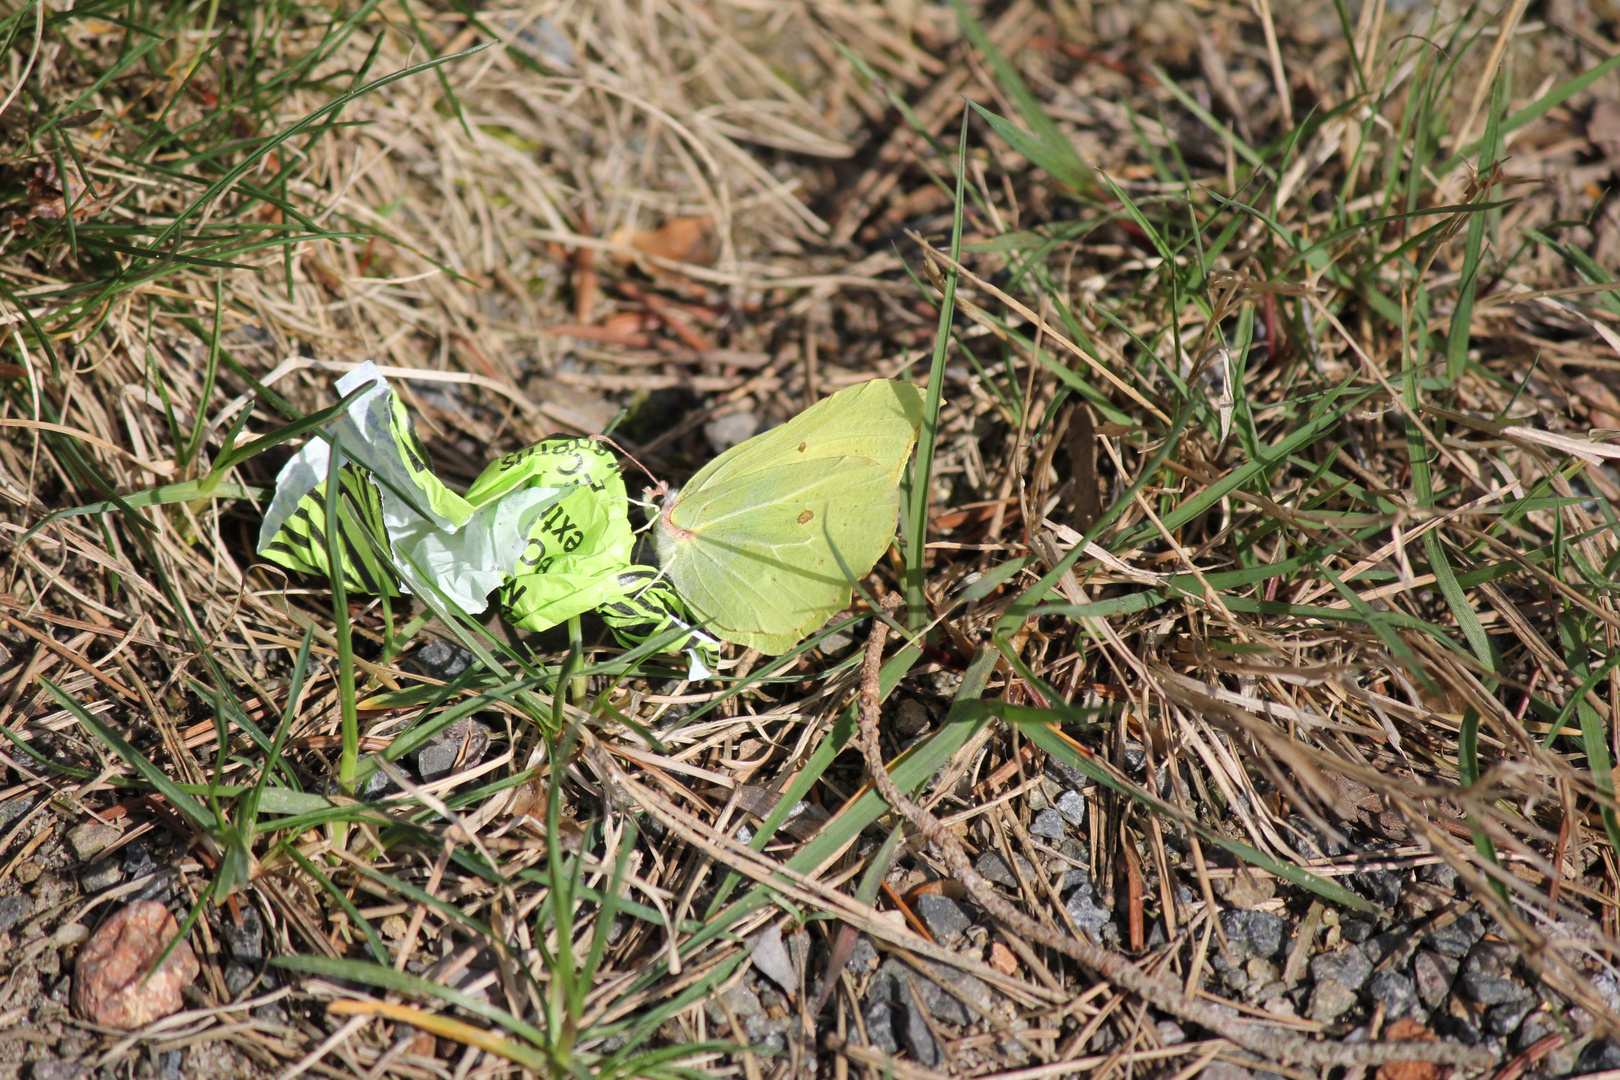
x=763, y=543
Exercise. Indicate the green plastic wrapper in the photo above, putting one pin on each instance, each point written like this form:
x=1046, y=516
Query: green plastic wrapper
x=546, y=529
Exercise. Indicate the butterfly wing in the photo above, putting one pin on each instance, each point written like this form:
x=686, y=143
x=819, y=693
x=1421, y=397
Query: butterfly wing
x=876, y=420
x=763, y=560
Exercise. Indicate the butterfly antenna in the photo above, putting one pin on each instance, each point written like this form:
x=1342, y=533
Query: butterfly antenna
x=627, y=454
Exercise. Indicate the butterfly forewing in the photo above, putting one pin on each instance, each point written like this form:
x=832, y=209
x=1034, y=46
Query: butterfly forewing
x=875, y=420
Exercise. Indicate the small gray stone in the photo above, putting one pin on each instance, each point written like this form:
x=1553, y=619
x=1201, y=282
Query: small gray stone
x=1464, y=1020
x=440, y=659
x=53, y=1068
x=1398, y=994
x=914, y=1033
x=944, y=916
x=1608, y=988
x=373, y=787
x=1072, y=805
x=895, y=981
x=1254, y=933
x=1562, y=1060
x=940, y=1003
x=101, y=875
x=91, y=839
x=1505, y=1019
x=12, y=809
x=995, y=868
x=13, y=909
x=459, y=746
x=741, y=1001
x=1074, y=870
x=1439, y=874
x=910, y=718
x=1224, y=1070
x=724, y=432
x=863, y=957
x=1312, y=842
x=835, y=643
x=137, y=860
x=1600, y=1057
x=1487, y=974
x=246, y=942
x=238, y=977
x=1170, y=1033
x=1537, y=1026
x=1349, y=967
x=1330, y=999
x=879, y=1017
x=1382, y=886
x=1434, y=974
x=1420, y=899
x=771, y=957
x=1066, y=775
x=1087, y=911
x=1355, y=930
x=1393, y=949
x=1458, y=936
x=1048, y=823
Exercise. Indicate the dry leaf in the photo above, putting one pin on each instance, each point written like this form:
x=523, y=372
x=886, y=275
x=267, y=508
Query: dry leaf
x=1409, y=1030
x=1601, y=404
x=688, y=240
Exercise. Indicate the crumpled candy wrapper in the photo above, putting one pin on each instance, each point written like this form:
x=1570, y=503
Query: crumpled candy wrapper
x=548, y=527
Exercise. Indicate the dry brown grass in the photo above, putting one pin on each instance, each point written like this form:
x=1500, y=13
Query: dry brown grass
x=491, y=237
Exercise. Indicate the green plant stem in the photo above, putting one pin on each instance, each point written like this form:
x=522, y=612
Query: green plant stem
x=916, y=535
x=349, y=712
x=578, y=687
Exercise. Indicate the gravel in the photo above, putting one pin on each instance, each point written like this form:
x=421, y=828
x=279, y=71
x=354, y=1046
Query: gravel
x=1487, y=974
x=1397, y=993
x=1086, y=909
x=91, y=839
x=993, y=866
x=1434, y=974
x=1505, y=1019
x=100, y=875
x=1254, y=933
x=463, y=743
x=440, y=659
x=1458, y=936
x=1349, y=967
x=1427, y=963
x=1072, y=805
x=1381, y=886
x=900, y=1000
x=1048, y=823
x=918, y=1039
x=1330, y=999
x=13, y=909
x=946, y=919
